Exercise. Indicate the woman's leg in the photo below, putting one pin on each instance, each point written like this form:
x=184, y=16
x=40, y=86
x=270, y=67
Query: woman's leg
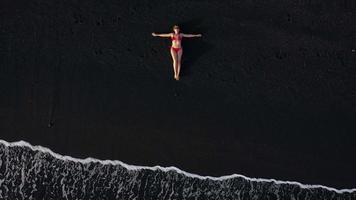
x=180, y=53
x=175, y=63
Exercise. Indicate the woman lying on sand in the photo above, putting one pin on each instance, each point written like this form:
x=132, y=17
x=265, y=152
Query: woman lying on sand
x=176, y=48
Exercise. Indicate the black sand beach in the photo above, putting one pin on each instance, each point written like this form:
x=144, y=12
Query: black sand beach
x=269, y=91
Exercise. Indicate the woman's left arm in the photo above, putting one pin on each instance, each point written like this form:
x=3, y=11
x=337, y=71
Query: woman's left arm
x=191, y=35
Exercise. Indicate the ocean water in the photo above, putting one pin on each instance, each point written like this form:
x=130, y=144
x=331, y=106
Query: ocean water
x=35, y=172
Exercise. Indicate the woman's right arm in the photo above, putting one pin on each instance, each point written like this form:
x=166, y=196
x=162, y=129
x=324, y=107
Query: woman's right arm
x=162, y=35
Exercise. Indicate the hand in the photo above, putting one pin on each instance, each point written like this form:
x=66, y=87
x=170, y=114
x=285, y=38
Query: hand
x=154, y=34
x=199, y=35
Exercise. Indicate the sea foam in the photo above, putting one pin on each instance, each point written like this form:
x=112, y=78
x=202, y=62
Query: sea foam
x=36, y=172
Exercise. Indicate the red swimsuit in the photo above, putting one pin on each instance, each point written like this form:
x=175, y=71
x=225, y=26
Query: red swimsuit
x=176, y=49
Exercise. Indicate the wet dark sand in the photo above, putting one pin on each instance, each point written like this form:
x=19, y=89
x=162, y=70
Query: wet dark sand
x=269, y=91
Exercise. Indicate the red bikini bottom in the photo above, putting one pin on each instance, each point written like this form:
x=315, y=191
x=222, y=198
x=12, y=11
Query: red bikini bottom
x=176, y=49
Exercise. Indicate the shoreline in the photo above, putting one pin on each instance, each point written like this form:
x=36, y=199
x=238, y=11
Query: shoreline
x=166, y=169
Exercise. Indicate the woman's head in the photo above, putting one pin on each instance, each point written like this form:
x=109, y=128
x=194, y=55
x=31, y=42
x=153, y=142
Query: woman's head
x=176, y=28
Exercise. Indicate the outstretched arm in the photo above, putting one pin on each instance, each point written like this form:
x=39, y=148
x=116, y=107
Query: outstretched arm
x=162, y=35
x=191, y=35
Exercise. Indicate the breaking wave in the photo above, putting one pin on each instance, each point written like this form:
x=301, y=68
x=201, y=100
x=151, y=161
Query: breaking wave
x=35, y=172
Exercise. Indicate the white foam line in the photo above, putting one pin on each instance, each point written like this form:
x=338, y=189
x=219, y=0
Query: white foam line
x=166, y=169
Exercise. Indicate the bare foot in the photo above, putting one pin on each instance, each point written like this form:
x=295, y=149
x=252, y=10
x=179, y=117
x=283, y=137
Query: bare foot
x=177, y=78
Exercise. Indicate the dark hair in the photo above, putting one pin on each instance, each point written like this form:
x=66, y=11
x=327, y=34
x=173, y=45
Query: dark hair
x=175, y=26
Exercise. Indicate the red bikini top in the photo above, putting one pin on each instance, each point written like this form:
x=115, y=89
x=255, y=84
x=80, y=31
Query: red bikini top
x=174, y=38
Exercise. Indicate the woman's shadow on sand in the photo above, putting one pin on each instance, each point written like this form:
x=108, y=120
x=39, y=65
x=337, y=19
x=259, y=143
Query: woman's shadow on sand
x=193, y=48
